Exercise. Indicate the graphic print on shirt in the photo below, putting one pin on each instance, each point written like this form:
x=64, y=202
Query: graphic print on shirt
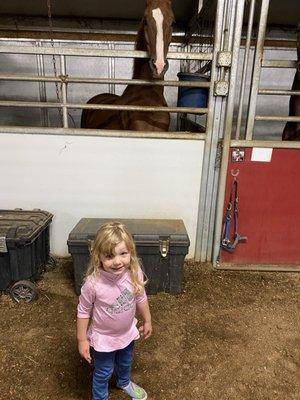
x=123, y=303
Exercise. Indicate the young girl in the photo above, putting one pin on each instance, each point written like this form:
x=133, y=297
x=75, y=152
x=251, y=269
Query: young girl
x=106, y=325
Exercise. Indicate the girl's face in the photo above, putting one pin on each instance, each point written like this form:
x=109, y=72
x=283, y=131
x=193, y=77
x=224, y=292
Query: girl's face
x=118, y=262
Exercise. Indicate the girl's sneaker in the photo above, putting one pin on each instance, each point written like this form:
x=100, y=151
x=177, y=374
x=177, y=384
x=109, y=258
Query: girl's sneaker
x=135, y=391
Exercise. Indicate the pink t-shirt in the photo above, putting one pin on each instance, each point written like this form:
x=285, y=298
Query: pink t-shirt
x=109, y=302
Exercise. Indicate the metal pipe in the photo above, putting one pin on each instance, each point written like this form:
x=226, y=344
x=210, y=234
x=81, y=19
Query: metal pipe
x=227, y=35
x=277, y=118
x=279, y=64
x=207, y=178
x=225, y=44
x=111, y=69
x=42, y=87
x=78, y=79
x=259, y=50
x=228, y=129
x=25, y=130
x=64, y=91
x=245, y=69
x=231, y=25
x=80, y=51
x=189, y=110
x=266, y=143
x=279, y=92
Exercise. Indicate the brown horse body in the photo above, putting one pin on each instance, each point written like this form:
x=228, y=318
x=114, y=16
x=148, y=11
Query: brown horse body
x=292, y=129
x=145, y=69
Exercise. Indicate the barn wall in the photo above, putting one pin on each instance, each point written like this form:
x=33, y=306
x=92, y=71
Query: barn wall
x=75, y=177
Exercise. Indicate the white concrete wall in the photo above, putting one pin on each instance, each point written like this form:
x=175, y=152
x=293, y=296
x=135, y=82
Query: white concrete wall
x=75, y=177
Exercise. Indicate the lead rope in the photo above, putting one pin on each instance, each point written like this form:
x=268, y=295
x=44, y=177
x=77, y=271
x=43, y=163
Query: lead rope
x=232, y=213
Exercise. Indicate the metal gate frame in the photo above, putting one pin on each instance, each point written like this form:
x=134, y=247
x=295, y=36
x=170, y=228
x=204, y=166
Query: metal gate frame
x=64, y=79
x=214, y=174
x=228, y=31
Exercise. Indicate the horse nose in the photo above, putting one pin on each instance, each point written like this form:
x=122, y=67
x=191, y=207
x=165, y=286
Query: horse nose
x=158, y=68
x=152, y=66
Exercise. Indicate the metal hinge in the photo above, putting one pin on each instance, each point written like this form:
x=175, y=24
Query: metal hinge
x=221, y=88
x=224, y=59
x=3, y=247
x=164, y=247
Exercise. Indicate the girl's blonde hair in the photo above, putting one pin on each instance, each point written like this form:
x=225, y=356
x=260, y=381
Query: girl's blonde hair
x=107, y=238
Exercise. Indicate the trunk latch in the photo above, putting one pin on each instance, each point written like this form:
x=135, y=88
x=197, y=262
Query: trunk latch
x=3, y=247
x=164, y=245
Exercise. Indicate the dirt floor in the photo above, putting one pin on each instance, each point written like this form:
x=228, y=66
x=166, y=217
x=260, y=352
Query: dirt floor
x=229, y=335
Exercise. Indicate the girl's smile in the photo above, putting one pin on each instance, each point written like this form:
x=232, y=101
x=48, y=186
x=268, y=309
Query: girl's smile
x=118, y=262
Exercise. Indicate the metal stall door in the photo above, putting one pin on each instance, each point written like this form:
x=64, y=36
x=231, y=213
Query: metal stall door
x=266, y=203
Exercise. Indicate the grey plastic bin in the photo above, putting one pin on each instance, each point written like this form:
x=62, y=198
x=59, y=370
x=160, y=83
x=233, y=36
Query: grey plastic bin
x=161, y=245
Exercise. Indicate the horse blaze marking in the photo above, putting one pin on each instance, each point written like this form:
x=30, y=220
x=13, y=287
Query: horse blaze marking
x=159, y=62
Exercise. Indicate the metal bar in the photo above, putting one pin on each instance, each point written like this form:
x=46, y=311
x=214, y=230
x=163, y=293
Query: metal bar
x=100, y=133
x=225, y=44
x=217, y=131
x=42, y=87
x=279, y=92
x=245, y=69
x=227, y=39
x=80, y=51
x=266, y=143
x=227, y=130
x=64, y=91
x=279, y=64
x=207, y=178
x=231, y=25
x=78, y=79
x=277, y=118
x=259, y=50
x=111, y=69
x=189, y=110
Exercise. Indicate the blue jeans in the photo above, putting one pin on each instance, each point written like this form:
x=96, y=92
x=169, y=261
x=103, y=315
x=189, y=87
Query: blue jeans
x=105, y=363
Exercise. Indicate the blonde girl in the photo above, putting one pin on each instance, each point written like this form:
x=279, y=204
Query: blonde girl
x=111, y=295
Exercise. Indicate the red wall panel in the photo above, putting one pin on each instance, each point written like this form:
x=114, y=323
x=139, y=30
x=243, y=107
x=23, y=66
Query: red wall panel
x=269, y=209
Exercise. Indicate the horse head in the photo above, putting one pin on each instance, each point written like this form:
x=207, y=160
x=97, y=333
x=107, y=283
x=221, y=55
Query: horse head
x=158, y=21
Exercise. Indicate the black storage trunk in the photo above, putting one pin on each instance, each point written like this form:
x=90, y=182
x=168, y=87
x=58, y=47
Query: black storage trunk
x=161, y=245
x=24, y=245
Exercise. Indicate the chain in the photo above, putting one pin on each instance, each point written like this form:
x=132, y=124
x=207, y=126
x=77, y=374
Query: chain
x=58, y=91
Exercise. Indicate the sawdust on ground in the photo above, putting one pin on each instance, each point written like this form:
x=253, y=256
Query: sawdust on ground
x=228, y=335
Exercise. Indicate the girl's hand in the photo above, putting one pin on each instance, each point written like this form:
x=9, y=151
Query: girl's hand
x=84, y=350
x=146, y=330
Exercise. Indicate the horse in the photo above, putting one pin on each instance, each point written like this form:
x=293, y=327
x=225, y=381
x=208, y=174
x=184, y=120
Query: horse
x=292, y=129
x=154, y=36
